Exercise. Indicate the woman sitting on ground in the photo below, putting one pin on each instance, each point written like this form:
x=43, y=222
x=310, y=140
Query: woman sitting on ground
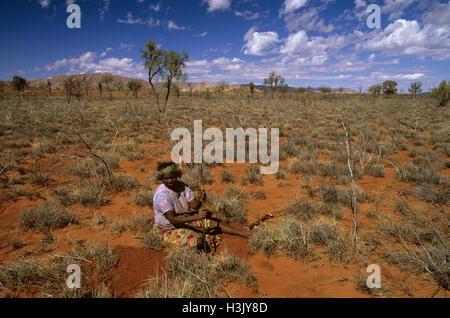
x=177, y=213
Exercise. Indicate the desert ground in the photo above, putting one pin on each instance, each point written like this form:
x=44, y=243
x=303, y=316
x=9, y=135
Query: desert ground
x=77, y=182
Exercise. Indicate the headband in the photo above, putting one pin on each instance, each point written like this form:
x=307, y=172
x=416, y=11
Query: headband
x=168, y=169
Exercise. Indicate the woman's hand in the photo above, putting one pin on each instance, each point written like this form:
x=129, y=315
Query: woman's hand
x=202, y=214
x=202, y=195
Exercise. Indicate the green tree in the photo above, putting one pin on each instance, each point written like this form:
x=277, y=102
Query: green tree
x=252, y=88
x=19, y=84
x=166, y=65
x=442, y=93
x=135, y=87
x=325, y=90
x=301, y=90
x=389, y=88
x=154, y=62
x=415, y=88
x=274, y=82
x=174, y=63
x=375, y=90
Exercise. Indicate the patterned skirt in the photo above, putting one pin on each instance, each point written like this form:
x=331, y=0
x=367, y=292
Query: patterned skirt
x=188, y=238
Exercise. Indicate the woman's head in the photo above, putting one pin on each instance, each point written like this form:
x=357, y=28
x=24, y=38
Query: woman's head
x=168, y=173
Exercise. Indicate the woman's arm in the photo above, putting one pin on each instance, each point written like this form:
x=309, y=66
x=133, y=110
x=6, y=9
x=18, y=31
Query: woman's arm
x=198, y=202
x=179, y=219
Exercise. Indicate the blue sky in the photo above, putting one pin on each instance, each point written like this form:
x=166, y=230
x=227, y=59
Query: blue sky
x=308, y=42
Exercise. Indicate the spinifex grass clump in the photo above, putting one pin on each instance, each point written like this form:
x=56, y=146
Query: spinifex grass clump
x=302, y=210
x=289, y=237
x=327, y=234
x=230, y=208
x=143, y=198
x=335, y=195
x=152, y=239
x=47, y=216
x=50, y=276
x=197, y=175
x=253, y=175
x=123, y=183
x=190, y=275
x=227, y=177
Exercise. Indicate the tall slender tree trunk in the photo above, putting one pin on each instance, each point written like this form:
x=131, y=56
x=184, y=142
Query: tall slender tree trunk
x=169, y=84
x=155, y=93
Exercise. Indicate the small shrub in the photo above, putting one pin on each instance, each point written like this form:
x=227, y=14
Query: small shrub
x=259, y=195
x=302, y=209
x=124, y=183
x=253, y=175
x=143, y=198
x=152, y=239
x=227, y=177
x=281, y=174
x=229, y=209
x=295, y=166
x=197, y=175
x=47, y=216
x=376, y=170
x=89, y=194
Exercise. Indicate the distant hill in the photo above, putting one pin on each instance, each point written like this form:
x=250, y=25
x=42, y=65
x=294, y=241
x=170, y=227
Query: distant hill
x=57, y=82
x=262, y=88
x=94, y=78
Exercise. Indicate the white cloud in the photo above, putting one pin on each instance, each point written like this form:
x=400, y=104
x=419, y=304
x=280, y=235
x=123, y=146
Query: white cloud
x=439, y=14
x=103, y=9
x=360, y=4
x=308, y=20
x=89, y=63
x=247, y=14
x=290, y=6
x=201, y=35
x=259, y=43
x=155, y=7
x=44, y=3
x=106, y=51
x=407, y=38
x=216, y=5
x=396, y=7
x=299, y=43
x=130, y=19
x=173, y=26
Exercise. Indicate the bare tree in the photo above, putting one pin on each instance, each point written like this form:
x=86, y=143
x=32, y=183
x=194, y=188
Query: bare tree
x=100, y=88
x=72, y=87
x=119, y=85
x=86, y=83
x=2, y=90
x=108, y=79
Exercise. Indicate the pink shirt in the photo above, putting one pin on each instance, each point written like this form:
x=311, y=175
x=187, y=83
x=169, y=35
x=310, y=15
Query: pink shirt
x=166, y=200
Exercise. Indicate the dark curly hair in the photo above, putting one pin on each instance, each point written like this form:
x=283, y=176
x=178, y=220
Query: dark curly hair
x=164, y=165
